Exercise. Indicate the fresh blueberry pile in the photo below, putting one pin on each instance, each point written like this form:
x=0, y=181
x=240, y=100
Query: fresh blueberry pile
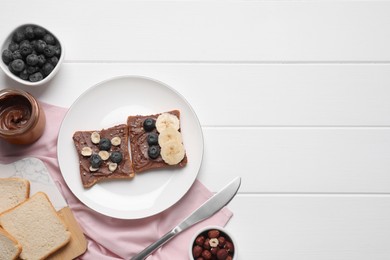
x=32, y=53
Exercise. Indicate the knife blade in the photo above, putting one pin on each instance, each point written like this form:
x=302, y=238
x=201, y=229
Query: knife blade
x=206, y=210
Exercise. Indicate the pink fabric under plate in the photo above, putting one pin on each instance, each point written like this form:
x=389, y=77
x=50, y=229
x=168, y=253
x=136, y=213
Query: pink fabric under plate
x=111, y=238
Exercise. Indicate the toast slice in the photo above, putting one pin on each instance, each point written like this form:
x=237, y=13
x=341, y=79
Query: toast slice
x=37, y=227
x=9, y=247
x=139, y=145
x=103, y=154
x=13, y=191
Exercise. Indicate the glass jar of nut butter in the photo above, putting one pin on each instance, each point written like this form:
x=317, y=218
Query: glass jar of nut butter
x=22, y=119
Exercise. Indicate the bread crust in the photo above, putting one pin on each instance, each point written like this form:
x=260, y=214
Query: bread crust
x=20, y=180
x=53, y=211
x=14, y=241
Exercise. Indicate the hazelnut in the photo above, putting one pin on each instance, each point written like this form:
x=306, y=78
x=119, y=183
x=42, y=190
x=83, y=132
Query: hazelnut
x=95, y=137
x=93, y=169
x=222, y=254
x=116, y=141
x=112, y=166
x=213, y=242
x=200, y=240
x=104, y=155
x=197, y=251
x=86, y=151
x=229, y=246
x=206, y=254
x=214, y=250
x=206, y=244
x=221, y=241
x=213, y=233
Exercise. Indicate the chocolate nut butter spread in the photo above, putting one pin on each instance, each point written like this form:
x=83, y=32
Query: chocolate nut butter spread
x=155, y=142
x=140, y=148
x=15, y=112
x=22, y=120
x=103, y=154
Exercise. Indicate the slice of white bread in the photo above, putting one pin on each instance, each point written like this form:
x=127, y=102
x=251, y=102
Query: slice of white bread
x=13, y=192
x=9, y=247
x=37, y=227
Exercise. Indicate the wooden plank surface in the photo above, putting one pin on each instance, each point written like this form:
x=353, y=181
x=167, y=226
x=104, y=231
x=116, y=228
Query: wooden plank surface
x=249, y=94
x=299, y=160
x=307, y=227
x=212, y=30
x=293, y=96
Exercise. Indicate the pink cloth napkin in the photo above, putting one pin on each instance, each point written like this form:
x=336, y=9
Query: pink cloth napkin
x=111, y=238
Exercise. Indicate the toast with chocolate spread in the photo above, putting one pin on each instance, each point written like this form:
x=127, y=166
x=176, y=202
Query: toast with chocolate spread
x=103, y=154
x=156, y=141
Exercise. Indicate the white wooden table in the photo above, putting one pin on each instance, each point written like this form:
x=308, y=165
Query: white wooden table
x=294, y=96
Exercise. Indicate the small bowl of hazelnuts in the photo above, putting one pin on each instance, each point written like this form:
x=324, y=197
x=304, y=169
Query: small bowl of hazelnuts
x=213, y=243
x=31, y=54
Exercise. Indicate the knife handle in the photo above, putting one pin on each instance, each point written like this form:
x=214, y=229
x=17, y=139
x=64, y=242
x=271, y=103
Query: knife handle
x=153, y=247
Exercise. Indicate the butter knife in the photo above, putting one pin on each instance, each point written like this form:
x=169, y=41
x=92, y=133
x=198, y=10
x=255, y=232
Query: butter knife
x=206, y=210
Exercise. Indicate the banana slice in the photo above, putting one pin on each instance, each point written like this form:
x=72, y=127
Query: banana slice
x=172, y=152
x=169, y=134
x=166, y=120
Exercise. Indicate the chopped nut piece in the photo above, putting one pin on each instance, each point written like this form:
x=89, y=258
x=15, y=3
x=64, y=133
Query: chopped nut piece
x=116, y=141
x=93, y=169
x=86, y=151
x=95, y=137
x=112, y=166
x=104, y=155
x=213, y=242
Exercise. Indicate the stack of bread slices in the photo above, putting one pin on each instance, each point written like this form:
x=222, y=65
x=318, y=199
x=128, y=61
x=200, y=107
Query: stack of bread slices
x=30, y=227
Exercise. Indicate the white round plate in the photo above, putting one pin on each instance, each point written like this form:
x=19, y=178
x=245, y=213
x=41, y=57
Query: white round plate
x=109, y=103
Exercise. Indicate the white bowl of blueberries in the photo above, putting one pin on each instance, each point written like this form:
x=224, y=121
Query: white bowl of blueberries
x=31, y=55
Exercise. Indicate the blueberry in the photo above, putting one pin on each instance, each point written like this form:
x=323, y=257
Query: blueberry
x=32, y=59
x=39, y=32
x=41, y=60
x=58, y=50
x=25, y=49
x=35, y=77
x=24, y=75
x=13, y=46
x=153, y=151
x=12, y=70
x=18, y=36
x=149, y=124
x=24, y=42
x=17, y=55
x=116, y=157
x=32, y=69
x=53, y=60
x=7, y=56
x=34, y=44
x=29, y=32
x=105, y=143
x=18, y=65
x=152, y=139
x=49, y=39
x=95, y=160
x=47, y=68
x=49, y=51
x=40, y=46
